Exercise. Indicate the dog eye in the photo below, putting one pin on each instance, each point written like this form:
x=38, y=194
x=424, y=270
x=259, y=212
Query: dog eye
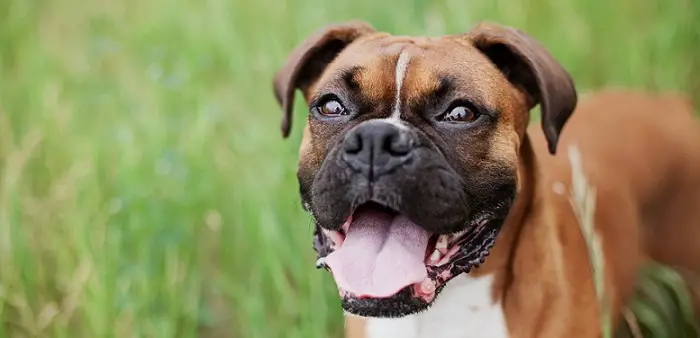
x=460, y=114
x=332, y=108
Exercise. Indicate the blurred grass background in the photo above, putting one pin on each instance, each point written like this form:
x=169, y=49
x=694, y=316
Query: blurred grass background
x=145, y=189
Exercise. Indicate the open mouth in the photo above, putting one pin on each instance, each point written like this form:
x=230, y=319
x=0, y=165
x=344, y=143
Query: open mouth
x=380, y=257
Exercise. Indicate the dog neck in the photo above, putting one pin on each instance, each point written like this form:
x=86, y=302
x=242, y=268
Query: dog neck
x=499, y=263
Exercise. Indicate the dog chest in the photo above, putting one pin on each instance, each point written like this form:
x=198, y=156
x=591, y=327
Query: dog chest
x=464, y=309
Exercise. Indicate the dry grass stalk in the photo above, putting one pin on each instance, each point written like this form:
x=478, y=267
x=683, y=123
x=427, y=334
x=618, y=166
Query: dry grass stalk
x=583, y=199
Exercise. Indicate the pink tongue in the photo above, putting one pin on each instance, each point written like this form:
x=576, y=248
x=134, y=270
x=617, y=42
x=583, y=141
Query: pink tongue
x=381, y=255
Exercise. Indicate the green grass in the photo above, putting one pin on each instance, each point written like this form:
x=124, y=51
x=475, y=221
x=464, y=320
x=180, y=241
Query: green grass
x=145, y=189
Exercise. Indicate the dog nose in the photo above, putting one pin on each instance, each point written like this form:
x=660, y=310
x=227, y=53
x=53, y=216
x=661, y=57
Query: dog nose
x=377, y=147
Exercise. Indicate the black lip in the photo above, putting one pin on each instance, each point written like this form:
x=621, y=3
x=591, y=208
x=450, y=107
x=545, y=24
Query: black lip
x=404, y=303
x=474, y=248
x=322, y=244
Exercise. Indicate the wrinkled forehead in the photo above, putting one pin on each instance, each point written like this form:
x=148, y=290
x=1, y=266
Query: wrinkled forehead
x=385, y=66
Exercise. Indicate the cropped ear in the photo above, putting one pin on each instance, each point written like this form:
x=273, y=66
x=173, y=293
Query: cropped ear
x=527, y=65
x=308, y=60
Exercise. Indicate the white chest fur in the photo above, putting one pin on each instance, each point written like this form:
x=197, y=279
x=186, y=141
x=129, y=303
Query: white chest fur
x=464, y=309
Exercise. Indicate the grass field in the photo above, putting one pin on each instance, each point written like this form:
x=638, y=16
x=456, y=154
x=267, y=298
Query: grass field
x=145, y=188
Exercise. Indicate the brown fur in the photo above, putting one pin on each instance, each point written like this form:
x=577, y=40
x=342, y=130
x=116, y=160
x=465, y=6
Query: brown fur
x=641, y=151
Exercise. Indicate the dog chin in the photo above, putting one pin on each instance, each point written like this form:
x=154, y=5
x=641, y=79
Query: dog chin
x=404, y=303
x=386, y=266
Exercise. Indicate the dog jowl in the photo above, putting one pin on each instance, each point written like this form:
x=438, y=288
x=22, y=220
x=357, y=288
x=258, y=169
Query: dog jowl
x=409, y=160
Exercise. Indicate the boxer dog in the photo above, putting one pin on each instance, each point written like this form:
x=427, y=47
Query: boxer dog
x=439, y=212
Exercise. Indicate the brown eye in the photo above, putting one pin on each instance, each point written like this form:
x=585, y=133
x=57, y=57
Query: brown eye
x=460, y=114
x=332, y=108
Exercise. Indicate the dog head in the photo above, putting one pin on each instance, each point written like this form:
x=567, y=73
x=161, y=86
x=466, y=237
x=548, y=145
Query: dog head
x=409, y=159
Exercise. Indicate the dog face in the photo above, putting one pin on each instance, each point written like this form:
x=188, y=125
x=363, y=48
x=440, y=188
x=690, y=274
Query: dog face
x=409, y=160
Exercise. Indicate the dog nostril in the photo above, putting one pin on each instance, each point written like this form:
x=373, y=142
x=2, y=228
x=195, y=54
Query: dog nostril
x=398, y=144
x=352, y=144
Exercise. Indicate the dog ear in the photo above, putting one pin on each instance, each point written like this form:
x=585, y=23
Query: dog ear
x=308, y=60
x=527, y=65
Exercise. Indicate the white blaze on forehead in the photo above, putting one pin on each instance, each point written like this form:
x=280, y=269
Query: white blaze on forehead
x=401, y=68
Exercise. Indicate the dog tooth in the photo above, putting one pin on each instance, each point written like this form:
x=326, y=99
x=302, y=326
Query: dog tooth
x=434, y=257
x=427, y=287
x=442, y=242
